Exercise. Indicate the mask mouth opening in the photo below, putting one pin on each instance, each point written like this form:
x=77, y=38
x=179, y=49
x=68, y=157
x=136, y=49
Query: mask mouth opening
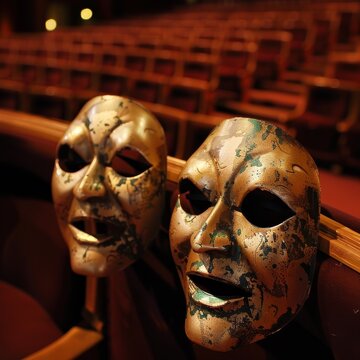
x=99, y=229
x=218, y=287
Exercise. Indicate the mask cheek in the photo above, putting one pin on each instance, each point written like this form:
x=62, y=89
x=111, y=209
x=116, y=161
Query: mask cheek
x=138, y=200
x=119, y=188
x=182, y=227
x=63, y=184
x=179, y=236
x=62, y=201
x=300, y=278
x=294, y=262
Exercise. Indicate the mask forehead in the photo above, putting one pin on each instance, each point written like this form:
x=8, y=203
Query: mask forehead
x=246, y=153
x=245, y=168
x=126, y=121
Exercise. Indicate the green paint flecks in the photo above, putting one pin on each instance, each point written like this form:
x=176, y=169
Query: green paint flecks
x=196, y=265
x=267, y=132
x=280, y=135
x=257, y=125
x=256, y=162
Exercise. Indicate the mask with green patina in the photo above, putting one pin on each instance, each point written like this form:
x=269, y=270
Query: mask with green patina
x=244, y=233
x=108, y=184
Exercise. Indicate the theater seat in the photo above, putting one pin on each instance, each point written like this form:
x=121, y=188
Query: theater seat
x=25, y=325
x=34, y=257
x=38, y=293
x=340, y=193
x=339, y=299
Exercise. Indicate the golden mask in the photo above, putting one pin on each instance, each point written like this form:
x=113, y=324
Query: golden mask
x=108, y=184
x=244, y=233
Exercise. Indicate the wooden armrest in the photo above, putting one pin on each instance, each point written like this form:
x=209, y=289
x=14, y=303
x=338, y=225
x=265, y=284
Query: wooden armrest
x=166, y=111
x=151, y=77
x=275, y=97
x=55, y=91
x=260, y=111
x=13, y=85
x=193, y=84
x=211, y=120
x=353, y=115
x=72, y=344
x=340, y=242
x=322, y=81
x=79, y=338
x=335, y=239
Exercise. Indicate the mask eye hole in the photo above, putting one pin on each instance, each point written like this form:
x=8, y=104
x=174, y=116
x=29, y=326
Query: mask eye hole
x=264, y=209
x=69, y=159
x=129, y=162
x=192, y=200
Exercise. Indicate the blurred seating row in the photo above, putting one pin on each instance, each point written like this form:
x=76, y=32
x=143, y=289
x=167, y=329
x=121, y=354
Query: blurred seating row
x=247, y=63
x=334, y=24
x=328, y=108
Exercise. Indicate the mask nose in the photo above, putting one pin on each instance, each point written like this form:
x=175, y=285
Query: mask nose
x=92, y=184
x=214, y=234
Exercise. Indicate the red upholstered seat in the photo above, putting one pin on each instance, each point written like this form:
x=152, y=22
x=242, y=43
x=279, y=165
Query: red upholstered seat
x=34, y=257
x=25, y=325
x=37, y=288
x=339, y=305
x=342, y=193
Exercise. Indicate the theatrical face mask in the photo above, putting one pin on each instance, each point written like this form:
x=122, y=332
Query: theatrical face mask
x=108, y=184
x=244, y=233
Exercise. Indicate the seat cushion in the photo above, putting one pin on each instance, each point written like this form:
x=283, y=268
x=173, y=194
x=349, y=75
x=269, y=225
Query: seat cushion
x=25, y=326
x=338, y=301
x=340, y=192
x=34, y=258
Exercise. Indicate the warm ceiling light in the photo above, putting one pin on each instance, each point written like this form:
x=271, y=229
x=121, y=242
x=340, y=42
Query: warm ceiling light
x=86, y=14
x=50, y=24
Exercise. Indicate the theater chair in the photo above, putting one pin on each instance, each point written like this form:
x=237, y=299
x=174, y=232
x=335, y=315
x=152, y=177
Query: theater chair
x=344, y=66
x=351, y=148
x=165, y=62
x=81, y=78
x=236, y=68
x=40, y=298
x=136, y=59
x=198, y=128
x=147, y=87
x=272, y=56
x=113, y=81
x=53, y=74
x=193, y=88
x=11, y=95
x=174, y=122
x=331, y=108
x=303, y=34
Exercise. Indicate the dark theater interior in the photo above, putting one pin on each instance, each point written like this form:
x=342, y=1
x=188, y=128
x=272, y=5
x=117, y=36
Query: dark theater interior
x=188, y=65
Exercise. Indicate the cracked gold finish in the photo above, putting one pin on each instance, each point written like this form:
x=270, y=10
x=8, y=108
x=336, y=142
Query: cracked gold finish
x=108, y=184
x=244, y=233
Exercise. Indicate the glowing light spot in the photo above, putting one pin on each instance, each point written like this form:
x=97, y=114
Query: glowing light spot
x=50, y=24
x=86, y=14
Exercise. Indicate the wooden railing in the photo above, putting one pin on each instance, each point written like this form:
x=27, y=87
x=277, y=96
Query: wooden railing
x=335, y=239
